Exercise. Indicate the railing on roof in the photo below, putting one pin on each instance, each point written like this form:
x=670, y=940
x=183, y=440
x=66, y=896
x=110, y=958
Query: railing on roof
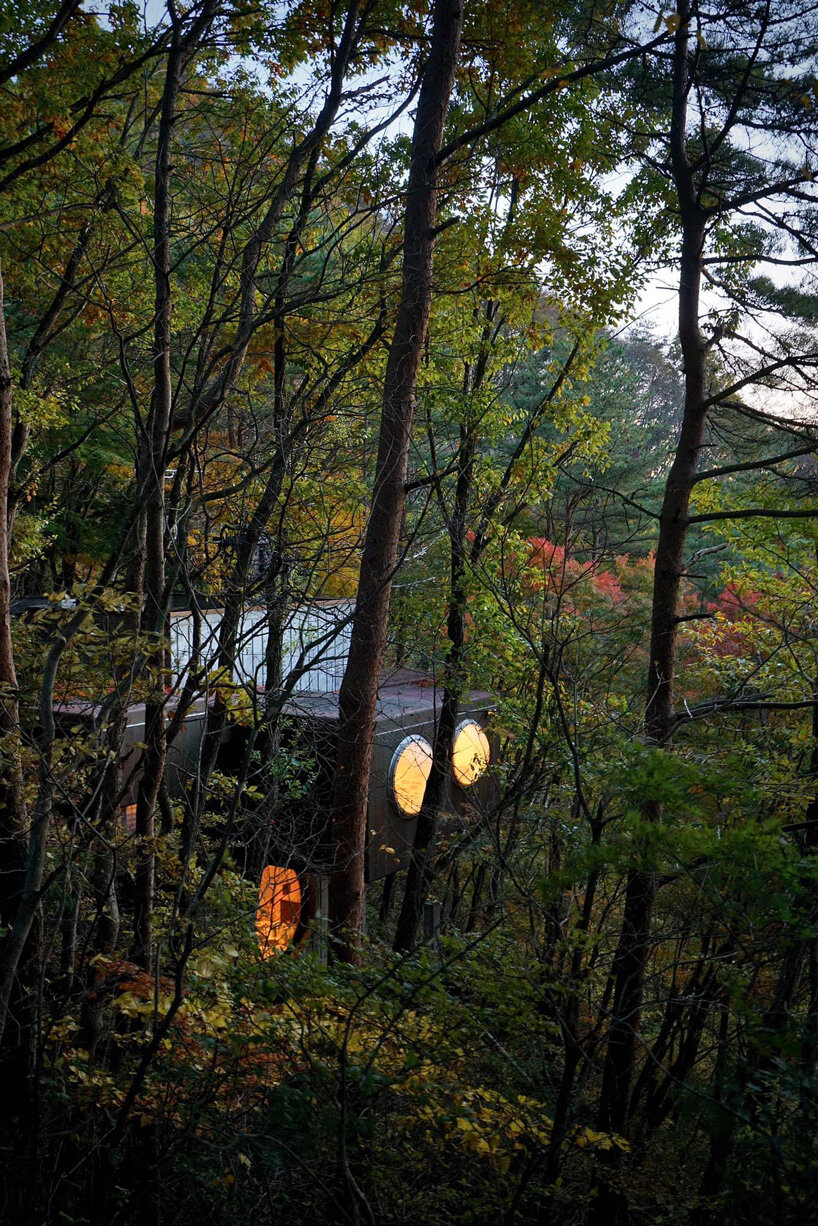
x=315, y=638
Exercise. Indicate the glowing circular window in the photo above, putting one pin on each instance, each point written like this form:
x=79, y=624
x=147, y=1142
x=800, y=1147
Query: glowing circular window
x=279, y=909
x=471, y=754
x=411, y=764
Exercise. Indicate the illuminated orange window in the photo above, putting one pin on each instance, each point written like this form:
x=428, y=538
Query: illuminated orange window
x=471, y=754
x=410, y=768
x=279, y=909
x=129, y=816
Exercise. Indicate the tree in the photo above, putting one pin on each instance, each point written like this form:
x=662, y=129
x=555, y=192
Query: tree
x=359, y=689
x=713, y=181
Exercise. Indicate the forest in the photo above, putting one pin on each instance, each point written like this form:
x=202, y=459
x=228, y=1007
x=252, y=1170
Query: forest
x=408, y=642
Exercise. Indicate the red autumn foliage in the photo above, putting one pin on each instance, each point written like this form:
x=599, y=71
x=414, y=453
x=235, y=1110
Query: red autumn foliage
x=733, y=605
x=562, y=573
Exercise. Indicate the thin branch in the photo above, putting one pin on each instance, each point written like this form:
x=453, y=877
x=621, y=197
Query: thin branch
x=578, y=74
x=34, y=50
x=738, y=704
x=754, y=513
x=751, y=465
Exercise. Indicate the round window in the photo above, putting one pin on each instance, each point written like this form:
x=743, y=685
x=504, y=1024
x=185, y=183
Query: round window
x=471, y=754
x=408, y=772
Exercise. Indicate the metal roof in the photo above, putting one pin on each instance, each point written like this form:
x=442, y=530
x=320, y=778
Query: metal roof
x=404, y=694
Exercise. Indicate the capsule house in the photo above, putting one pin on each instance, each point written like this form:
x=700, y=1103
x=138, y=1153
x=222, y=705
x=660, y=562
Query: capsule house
x=292, y=882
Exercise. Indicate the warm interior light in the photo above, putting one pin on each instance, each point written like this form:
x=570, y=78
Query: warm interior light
x=411, y=764
x=279, y=909
x=129, y=817
x=471, y=754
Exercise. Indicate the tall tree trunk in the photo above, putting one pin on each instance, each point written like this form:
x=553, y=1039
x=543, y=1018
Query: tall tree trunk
x=630, y=959
x=152, y=479
x=426, y=828
x=103, y=881
x=359, y=689
x=12, y=796
x=417, y=879
x=15, y=1052
x=12, y=800
x=14, y=942
x=276, y=595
